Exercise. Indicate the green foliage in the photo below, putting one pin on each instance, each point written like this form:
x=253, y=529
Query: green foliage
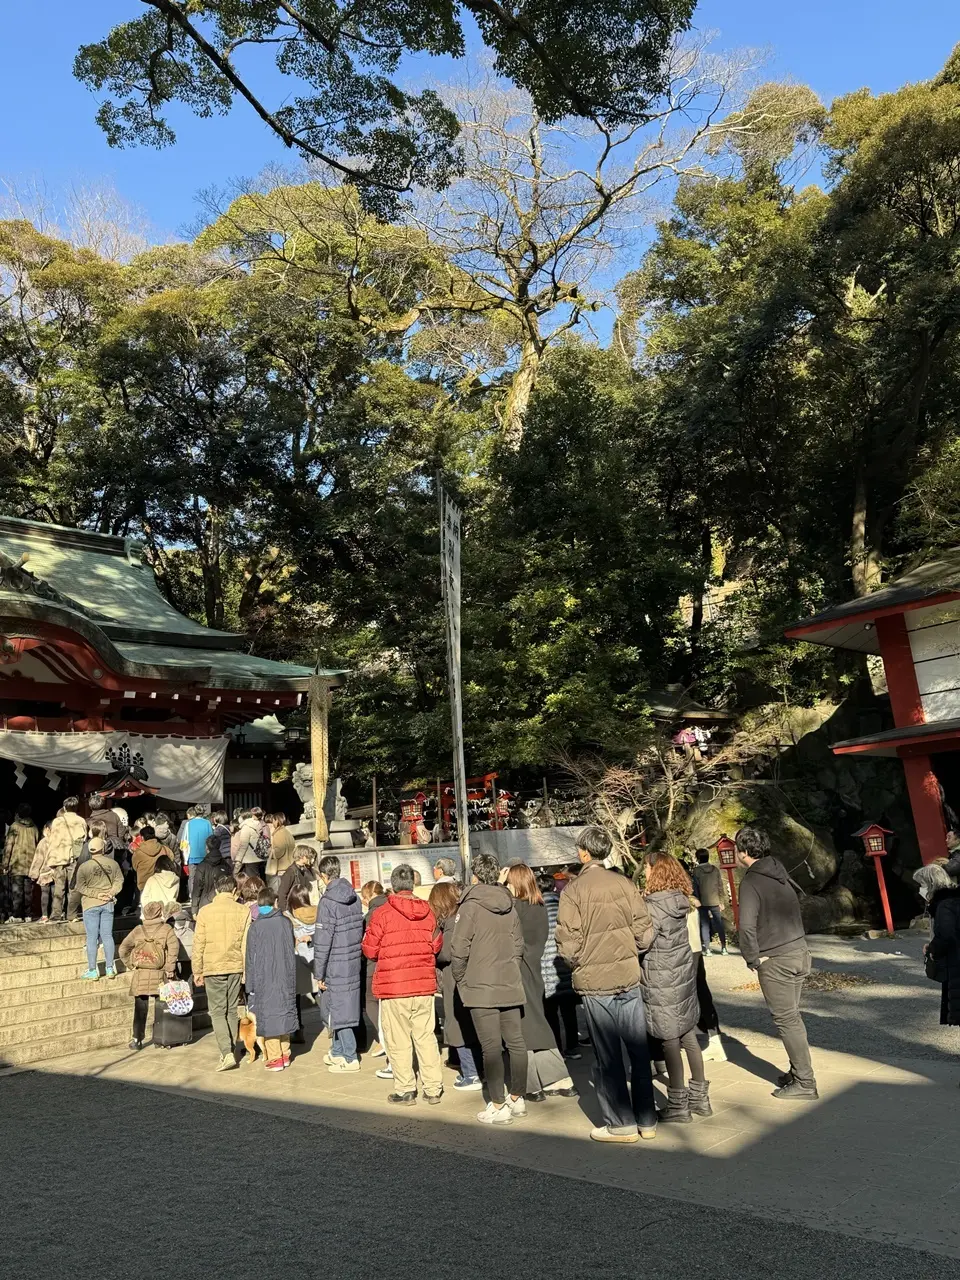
x=343, y=104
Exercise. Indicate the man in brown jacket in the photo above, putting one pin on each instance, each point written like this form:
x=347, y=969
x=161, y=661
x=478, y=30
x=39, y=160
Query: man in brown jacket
x=219, y=946
x=602, y=927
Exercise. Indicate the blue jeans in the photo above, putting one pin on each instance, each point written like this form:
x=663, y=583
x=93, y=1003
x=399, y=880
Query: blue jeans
x=616, y=1023
x=98, y=923
x=468, y=1063
x=711, y=918
x=344, y=1044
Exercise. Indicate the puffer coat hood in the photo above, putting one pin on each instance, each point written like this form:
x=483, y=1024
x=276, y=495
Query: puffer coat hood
x=487, y=949
x=670, y=968
x=403, y=937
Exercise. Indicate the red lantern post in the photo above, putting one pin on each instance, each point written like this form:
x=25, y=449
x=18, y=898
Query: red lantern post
x=727, y=857
x=875, y=847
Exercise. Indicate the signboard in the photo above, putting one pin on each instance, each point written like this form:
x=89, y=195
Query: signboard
x=450, y=521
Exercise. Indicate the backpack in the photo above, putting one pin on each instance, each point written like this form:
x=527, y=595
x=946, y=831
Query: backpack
x=149, y=953
x=264, y=848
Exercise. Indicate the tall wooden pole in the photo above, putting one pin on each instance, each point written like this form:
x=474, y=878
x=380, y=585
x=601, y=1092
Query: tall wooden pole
x=320, y=750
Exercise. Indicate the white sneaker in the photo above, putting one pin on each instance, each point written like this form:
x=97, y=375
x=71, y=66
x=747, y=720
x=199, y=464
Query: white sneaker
x=517, y=1106
x=495, y=1115
x=714, y=1052
x=385, y=1073
x=227, y=1062
x=341, y=1064
x=331, y=1059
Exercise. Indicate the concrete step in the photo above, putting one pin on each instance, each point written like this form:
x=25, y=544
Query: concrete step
x=16, y=1055
x=67, y=1028
x=63, y=989
x=87, y=1002
x=38, y=977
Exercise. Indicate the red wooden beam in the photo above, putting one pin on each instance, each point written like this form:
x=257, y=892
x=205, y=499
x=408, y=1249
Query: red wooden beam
x=894, y=639
x=808, y=628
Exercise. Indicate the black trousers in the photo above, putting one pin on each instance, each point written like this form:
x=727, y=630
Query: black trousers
x=563, y=1008
x=141, y=1007
x=709, y=1018
x=495, y=1028
x=17, y=896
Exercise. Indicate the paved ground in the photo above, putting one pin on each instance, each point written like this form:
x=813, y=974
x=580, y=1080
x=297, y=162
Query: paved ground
x=193, y=1173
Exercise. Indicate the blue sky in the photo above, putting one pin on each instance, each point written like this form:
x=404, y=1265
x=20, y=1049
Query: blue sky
x=49, y=131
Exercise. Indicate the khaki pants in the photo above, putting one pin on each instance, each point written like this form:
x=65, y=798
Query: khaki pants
x=275, y=1047
x=408, y=1024
x=223, y=995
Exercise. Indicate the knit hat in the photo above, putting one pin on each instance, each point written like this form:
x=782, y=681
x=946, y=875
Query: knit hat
x=96, y=845
x=153, y=911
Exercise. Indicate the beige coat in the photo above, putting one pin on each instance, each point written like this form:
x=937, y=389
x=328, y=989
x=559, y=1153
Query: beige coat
x=19, y=847
x=66, y=831
x=220, y=941
x=603, y=925
x=282, y=845
x=146, y=982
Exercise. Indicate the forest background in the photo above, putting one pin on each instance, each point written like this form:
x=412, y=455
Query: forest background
x=683, y=342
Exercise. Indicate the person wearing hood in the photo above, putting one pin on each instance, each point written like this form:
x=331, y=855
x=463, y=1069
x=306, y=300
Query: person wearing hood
x=205, y=874
x=337, y=939
x=144, y=857
x=669, y=970
x=939, y=891
x=19, y=849
x=150, y=952
x=166, y=835
x=485, y=962
x=774, y=944
x=163, y=886
x=221, y=830
x=402, y=936
x=270, y=978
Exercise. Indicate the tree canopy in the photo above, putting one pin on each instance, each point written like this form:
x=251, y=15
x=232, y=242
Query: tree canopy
x=340, y=102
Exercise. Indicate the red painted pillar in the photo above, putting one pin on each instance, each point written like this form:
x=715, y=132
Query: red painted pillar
x=927, y=811
x=894, y=639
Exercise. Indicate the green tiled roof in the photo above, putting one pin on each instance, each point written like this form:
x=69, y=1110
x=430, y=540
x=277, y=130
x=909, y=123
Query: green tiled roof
x=98, y=585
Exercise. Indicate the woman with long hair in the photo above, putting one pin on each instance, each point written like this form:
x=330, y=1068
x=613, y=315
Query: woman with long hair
x=547, y=1074
x=670, y=988
x=457, y=1025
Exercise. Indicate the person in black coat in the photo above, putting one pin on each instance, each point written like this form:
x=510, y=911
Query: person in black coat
x=547, y=1074
x=205, y=874
x=336, y=962
x=942, y=897
x=270, y=979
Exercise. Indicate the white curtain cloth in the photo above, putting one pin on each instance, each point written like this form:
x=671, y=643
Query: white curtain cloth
x=186, y=769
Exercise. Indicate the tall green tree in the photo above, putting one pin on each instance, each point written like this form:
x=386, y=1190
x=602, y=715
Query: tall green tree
x=340, y=102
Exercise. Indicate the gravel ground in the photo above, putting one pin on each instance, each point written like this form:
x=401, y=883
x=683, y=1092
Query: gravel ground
x=107, y=1180
x=898, y=1017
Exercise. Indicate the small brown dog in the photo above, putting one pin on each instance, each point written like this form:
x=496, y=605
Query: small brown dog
x=248, y=1035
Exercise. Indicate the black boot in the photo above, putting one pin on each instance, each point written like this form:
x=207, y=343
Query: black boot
x=699, y=1091
x=677, y=1110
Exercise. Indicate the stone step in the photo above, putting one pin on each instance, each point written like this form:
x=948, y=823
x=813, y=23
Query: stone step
x=66, y=1028
x=88, y=1002
x=64, y=988
x=36, y=938
x=38, y=977
x=16, y=1055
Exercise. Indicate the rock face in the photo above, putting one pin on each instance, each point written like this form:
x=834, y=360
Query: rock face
x=810, y=802
x=806, y=851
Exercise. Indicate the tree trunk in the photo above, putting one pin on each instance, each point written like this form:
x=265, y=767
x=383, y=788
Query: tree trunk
x=212, y=571
x=865, y=563
x=521, y=389
x=700, y=591
x=259, y=571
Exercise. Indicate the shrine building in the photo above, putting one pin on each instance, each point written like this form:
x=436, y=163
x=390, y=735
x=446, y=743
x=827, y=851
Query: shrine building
x=105, y=686
x=913, y=623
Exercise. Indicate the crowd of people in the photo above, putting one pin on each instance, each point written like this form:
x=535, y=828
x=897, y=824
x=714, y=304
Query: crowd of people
x=495, y=973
